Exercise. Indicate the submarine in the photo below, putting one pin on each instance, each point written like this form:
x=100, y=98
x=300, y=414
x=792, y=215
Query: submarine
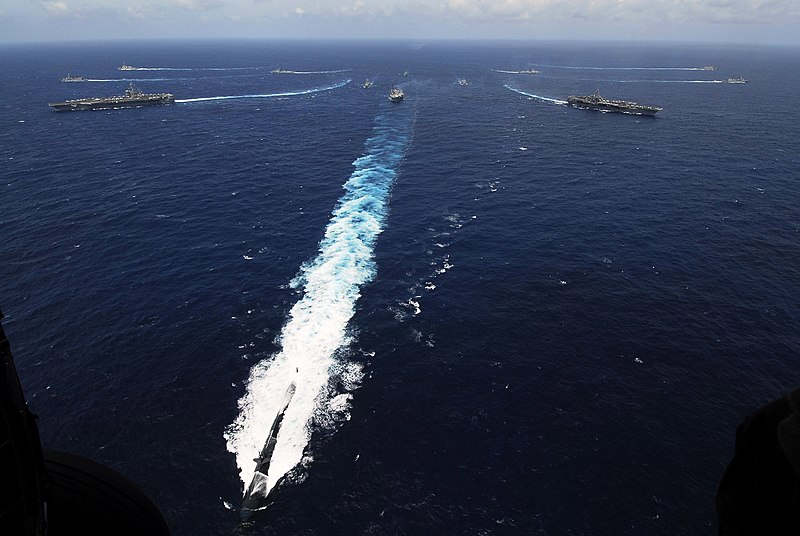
x=256, y=496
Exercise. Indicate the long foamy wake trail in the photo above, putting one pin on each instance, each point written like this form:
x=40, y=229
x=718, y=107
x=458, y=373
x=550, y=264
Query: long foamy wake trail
x=190, y=68
x=131, y=79
x=589, y=68
x=268, y=95
x=666, y=81
x=504, y=71
x=315, y=331
x=534, y=96
x=312, y=72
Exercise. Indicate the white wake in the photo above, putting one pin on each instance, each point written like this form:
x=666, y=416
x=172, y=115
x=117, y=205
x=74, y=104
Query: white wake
x=534, y=96
x=267, y=95
x=316, y=327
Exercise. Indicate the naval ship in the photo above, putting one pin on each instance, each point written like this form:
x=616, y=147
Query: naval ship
x=396, y=94
x=132, y=98
x=602, y=104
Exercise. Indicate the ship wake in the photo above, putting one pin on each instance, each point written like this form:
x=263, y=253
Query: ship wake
x=314, y=337
x=268, y=95
x=534, y=96
x=189, y=68
x=666, y=81
x=131, y=79
x=313, y=72
x=591, y=68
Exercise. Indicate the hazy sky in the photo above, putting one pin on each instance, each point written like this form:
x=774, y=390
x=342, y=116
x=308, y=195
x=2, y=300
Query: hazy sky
x=734, y=21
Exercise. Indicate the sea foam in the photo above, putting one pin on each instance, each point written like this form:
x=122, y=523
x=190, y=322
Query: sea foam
x=316, y=327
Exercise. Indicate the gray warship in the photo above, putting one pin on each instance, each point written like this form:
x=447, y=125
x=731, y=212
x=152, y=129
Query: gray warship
x=396, y=94
x=132, y=98
x=602, y=104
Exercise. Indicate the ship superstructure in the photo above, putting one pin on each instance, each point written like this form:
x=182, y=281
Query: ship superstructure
x=396, y=94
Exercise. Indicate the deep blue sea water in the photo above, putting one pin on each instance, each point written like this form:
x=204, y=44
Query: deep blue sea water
x=518, y=318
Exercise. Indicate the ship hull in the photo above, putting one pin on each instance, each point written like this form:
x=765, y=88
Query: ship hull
x=602, y=105
x=614, y=109
x=257, y=495
x=109, y=104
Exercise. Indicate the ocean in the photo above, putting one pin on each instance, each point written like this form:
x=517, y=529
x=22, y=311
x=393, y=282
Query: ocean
x=500, y=315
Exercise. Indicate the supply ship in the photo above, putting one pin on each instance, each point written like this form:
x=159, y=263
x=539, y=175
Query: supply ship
x=133, y=98
x=602, y=104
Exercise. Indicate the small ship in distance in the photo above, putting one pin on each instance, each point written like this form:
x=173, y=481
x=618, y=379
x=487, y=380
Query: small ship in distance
x=367, y=84
x=737, y=80
x=602, y=104
x=70, y=78
x=396, y=94
x=132, y=98
x=126, y=68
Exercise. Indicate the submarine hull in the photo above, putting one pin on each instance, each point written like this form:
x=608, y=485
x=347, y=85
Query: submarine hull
x=257, y=495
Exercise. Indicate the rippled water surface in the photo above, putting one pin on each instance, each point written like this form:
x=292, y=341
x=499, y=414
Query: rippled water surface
x=500, y=315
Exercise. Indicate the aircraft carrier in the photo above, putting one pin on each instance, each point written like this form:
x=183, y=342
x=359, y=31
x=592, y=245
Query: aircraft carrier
x=133, y=98
x=602, y=104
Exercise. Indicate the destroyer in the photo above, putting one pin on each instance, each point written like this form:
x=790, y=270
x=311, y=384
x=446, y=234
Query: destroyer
x=602, y=104
x=396, y=94
x=132, y=98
